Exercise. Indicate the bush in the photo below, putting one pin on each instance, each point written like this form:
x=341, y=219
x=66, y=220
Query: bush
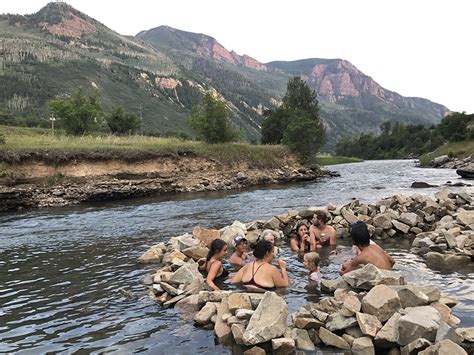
x=3, y=140
x=121, y=123
x=210, y=121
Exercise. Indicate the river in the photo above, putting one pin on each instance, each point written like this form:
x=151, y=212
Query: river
x=61, y=268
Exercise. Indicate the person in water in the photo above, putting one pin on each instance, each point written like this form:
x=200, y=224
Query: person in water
x=311, y=262
x=269, y=237
x=369, y=253
x=239, y=256
x=213, y=266
x=260, y=274
x=302, y=242
x=319, y=232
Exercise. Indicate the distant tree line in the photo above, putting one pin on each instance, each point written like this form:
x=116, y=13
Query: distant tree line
x=406, y=140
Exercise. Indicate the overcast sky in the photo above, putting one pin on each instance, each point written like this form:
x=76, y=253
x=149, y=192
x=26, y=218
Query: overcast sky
x=421, y=48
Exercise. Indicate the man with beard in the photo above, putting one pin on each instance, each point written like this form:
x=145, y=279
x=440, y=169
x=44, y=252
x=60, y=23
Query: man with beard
x=320, y=232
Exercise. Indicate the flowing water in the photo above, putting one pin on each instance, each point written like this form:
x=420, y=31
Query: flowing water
x=61, y=269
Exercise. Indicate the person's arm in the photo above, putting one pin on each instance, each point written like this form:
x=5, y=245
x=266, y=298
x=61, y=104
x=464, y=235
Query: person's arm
x=236, y=260
x=313, y=239
x=237, y=276
x=280, y=277
x=351, y=265
x=211, y=275
x=294, y=245
x=390, y=259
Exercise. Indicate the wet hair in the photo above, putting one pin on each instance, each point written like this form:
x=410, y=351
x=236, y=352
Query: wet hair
x=360, y=234
x=216, y=246
x=261, y=248
x=298, y=226
x=322, y=216
x=312, y=259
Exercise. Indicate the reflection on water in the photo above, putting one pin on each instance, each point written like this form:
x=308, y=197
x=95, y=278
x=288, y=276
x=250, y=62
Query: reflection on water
x=61, y=269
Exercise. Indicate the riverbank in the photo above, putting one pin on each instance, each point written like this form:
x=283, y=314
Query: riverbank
x=41, y=169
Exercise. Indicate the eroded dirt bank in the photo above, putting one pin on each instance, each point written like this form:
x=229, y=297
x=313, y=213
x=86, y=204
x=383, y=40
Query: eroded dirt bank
x=41, y=184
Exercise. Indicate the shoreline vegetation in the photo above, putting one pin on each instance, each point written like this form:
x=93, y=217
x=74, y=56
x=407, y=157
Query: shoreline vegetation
x=454, y=149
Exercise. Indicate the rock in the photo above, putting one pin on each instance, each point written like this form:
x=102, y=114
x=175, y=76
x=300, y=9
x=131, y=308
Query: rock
x=188, y=307
x=331, y=339
x=409, y=218
x=302, y=340
x=421, y=185
x=402, y=227
x=465, y=217
x=412, y=296
x=328, y=305
x=351, y=305
x=307, y=323
x=168, y=257
x=273, y=223
x=442, y=348
x=221, y=329
x=333, y=285
x=228, y=233
x=466, y=333
x=205, y=314
x=447, y=332
x=170, y=289
x=319, y=315
x=244, y=313
x=173, y=300
x=255, y=351
x=418, y=322
x=448, y=301
x=212, y=296
x=363, y=346
x=382, y=302
x=445, y=313
x=186, y=274
x=451, y=261
x=283, y=346
x=438, y=161
x=196, y=252
x=239, y=301
x=355, y=332
x=349, y=216
x=368, y=324
x=153, y=255
x=238, y=333
x=268, y=321
x=206, y=236
x=337, y=321
x=349, y=338
x=369, y=276
x=387, y=337
x=415, y=346
x=382, y=220
x=183, y=241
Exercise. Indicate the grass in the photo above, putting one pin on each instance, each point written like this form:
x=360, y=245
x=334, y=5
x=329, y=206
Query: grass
x=454, y=149
x=332, y=160
x=55, y=147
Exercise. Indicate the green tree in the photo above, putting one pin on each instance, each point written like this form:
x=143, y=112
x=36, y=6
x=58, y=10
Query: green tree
x=210, y=121
x=78, y=113
x=454, y=127
x=296, y=123
x=121, y=122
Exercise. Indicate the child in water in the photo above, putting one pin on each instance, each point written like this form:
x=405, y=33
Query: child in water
x=311, y=262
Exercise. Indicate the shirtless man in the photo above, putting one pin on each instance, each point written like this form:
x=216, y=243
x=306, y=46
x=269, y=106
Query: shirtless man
x=369, y=253
x=239, y=256
x=319, y=232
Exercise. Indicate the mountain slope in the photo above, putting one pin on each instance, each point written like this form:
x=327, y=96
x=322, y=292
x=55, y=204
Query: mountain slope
x=162, y=73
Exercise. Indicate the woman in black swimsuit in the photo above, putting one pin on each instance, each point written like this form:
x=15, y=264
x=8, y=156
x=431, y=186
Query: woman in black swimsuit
x=213, y=266
x=260, y=274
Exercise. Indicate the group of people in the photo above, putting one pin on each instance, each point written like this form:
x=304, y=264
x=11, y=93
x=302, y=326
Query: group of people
x=258, y=273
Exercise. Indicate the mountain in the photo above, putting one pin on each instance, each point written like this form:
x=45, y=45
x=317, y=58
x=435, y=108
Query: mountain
x=161, y=73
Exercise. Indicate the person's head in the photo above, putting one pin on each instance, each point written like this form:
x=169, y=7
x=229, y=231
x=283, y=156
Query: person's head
x=239, y=243
x=269, y=237
x=360, y=234
x=263, y=250
x=311, y=261
x=301, y=230
x=218, y=249
x=319, y=218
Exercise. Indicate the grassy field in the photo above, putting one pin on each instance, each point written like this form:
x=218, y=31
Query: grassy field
x=332, y=160
x=455, y=149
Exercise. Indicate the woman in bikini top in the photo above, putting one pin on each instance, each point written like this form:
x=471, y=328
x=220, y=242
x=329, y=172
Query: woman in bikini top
x=213, y=265
x=269, y=276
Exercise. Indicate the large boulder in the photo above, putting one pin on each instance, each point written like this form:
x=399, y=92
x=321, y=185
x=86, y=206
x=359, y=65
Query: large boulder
x=228, y=233
x=196, y=252
x=337, y=321
x=464, y=217
x=331, y=339
x=283, y=346
x=370, y=276
x=204, y=316
x=447, y=260
x=418, y=322
x=183, y=241
x=409, y=218
x=239, y=301
x=153, y=255
x=206, y=236
x=186, y=274
x=444, y=347
x=221, y=329
x=382, y=302
x=363, y=346
x=382, y=220
x=368, y=324
x=268, y=321
x=387, y=337
x=402, y=227
x=412, y=296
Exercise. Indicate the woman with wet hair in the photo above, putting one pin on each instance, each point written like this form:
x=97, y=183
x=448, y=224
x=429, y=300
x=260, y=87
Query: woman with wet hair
x=213, y=266
x=260, y=274
x=302, y=242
